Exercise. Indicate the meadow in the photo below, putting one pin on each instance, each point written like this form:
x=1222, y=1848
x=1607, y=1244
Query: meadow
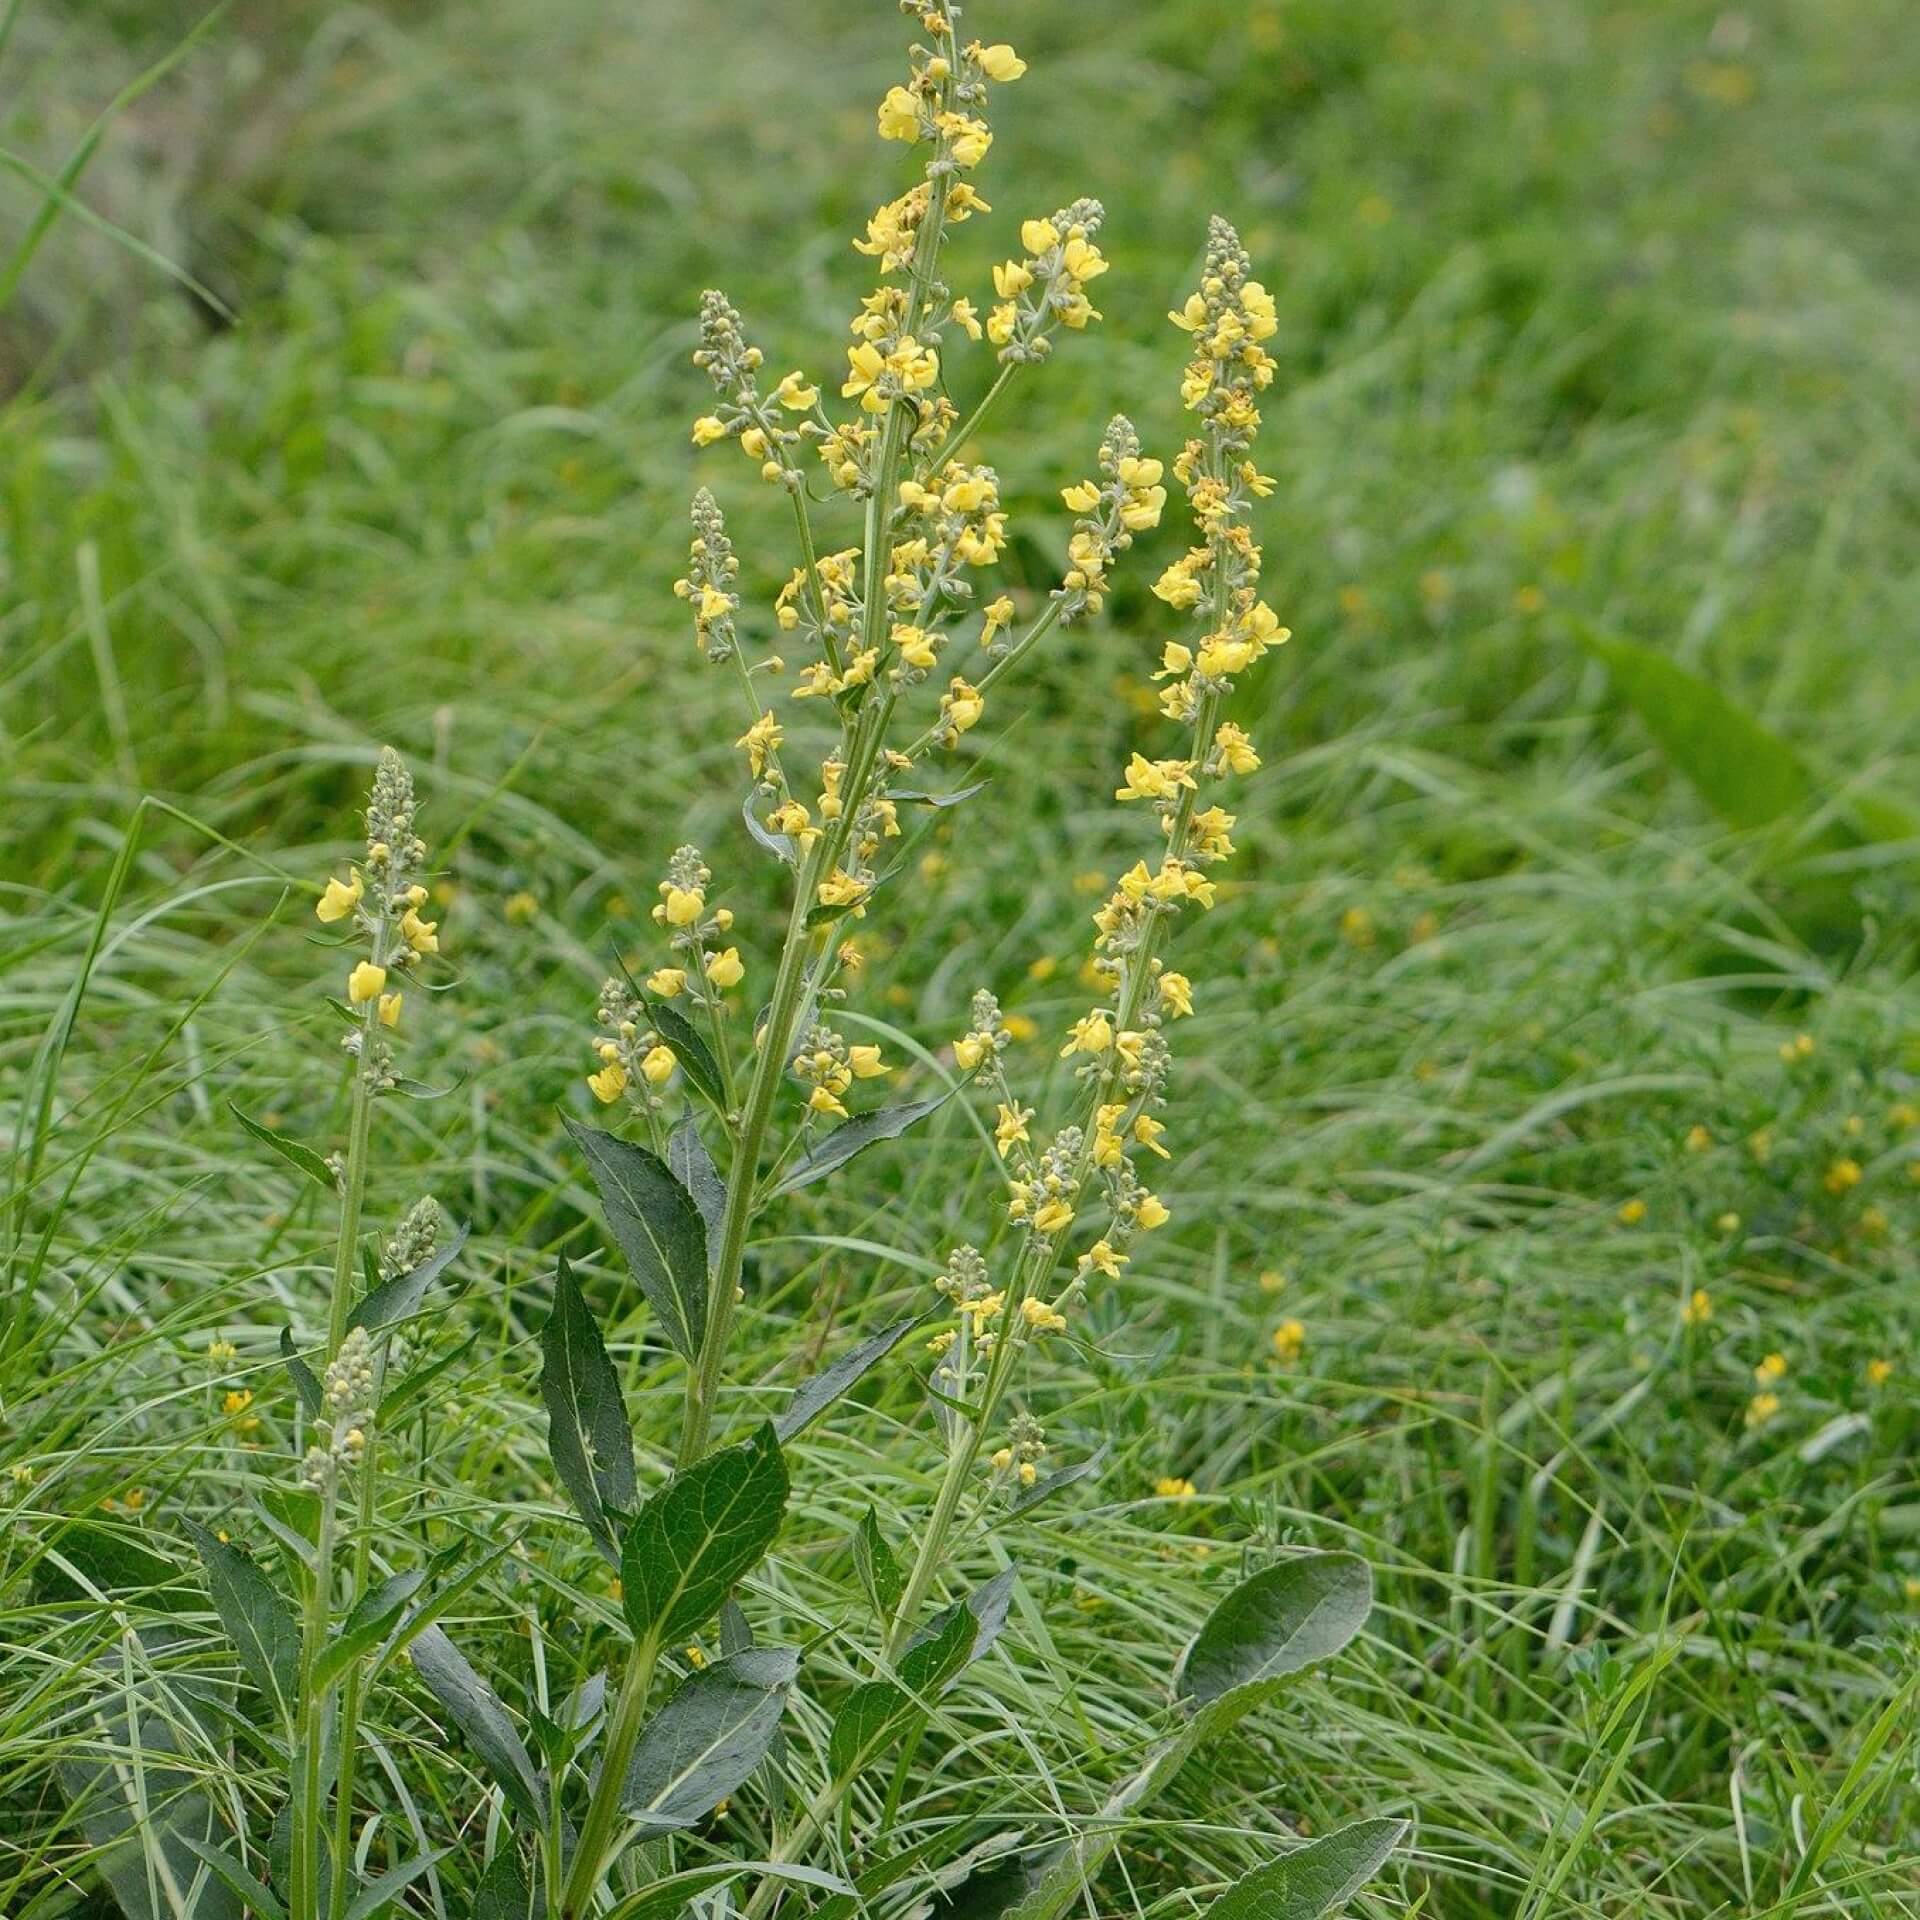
x=1546, y=1131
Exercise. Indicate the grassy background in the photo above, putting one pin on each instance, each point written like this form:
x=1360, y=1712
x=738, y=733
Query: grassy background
x=1596, y=321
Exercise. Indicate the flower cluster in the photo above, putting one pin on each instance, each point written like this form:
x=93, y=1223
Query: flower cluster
x=346, y=1412
x=708, y=585
x=382, y=898
x=769, y=427
x=826, y=1065
x=1046, y=288
x=1125, y=500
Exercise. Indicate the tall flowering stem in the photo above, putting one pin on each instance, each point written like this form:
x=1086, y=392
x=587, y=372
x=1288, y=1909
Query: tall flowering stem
x=381, y=899
x=1120, y=1045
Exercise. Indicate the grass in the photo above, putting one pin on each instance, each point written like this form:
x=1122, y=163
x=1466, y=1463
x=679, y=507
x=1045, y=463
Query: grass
x=1594, y=323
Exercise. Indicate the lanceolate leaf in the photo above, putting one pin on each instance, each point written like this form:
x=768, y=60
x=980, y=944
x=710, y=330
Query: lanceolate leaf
x=399, y=1298
x=312, y=1164
x=708, y=1738
x=690, y=1163
x=587, y=1430
x=475, y=1709
x=690, y=1048
x=1315, y=1879
x=813, y=1397
x=927, y=1664
x=503, y=1893
x=255, y=1617
x=699, y=1534
x=659, y=1229
x=1027, y=1498
x=306, y=1383
x=879, y=1571
x=379, y=1894
x=367, y=1625
x=259, y=1898
x=884, y=1123
x=924, y=799
x=1289, y=1617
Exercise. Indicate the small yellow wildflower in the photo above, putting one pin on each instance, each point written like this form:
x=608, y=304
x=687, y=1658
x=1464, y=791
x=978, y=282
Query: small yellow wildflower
x=389, y=1008
x=1762, y=1408
x=683, y=905
x=1844, y=1175
x=421, y=935
x=1632, y=1212
x=609, y=1083
x=725, y=969
x=1055, y=1217
x=1150, y=1212
x=365, y=983
x=664, y=983
x=1879, y=1372
x=1698, y=1139
x=1771, y=1370
x=1698, y=1310
x=521, y=907
x=658, y=1064
x=1174, y=1487
x=1289, y=1340
x=340, y=898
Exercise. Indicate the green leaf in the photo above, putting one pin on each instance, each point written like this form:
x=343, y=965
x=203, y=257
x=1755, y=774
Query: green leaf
x=777, y=844
x=690, y=1048
x=85, y=1555
x=659, y=1229
x=258, y=1897
x=419, y=1379
x=1292, y=1616
x=708, y=1738
x=378, y=1610
x=870, y=1718
x=1314, y=1879
x=255, y=1617
x=306, y=1383
x=879, y=1571
x=690, y=1163
x=667, y=1899
x=884, y=1123
x=920, y=798
x=1747, y=774
x=699, y=1534
x=380, y=1893
x=503, y=1893
x=1027, y=1498
x=813, y=1397
x=926, y=1664
x=475, y=1709
x=587, y=1431
x=399, y=1298
x=312, y=1164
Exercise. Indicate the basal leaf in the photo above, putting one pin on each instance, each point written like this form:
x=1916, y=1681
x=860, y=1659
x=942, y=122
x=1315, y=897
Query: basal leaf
x=587, y=1431
x=399, y=1298
x=708, y=1738
x=690, y=1163
x=475, y=1709
x=256, y=1618
x=1290, y=1617
x=699, y=1534
x=259, y=1898
x=312, y=1164
x=813, y=1397
x=857, y=1134
x=659, y=1229
x=1314, y=1879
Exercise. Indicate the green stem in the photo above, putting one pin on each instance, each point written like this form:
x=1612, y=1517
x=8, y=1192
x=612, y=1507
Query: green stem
x=603, y=1810
x=950, y=447
x=310, y=1734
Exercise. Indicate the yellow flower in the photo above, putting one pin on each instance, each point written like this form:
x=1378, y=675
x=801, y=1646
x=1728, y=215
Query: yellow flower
x=1289, y=1338
x=421, y=935
x=1082, y=497
x=998, y=62
x=1879, y=1372
x=1092, y=1033
x=820, y=1100
x=1055, y=1217
x=1176, y=993
x=365, y=982
x=664, y=982
x=1150, y=1213
x=1010, y=1125
x=707, y=429
x=1173, y=1487
x=1698, y=1310
x=1272, y=1280
x=866, y=1062
x=609, y=1083
x=1698, y=1139
x=1762, y=1408
x=521, y=907
x=1632, y=1212
x=1771, y=1370
x=389, y=1009
x=684, y=905
x=795, y=394
x=967, y=319
x=236, y=1402
x=1103, y=1258
x=658, y=1064
x=725, y=969
x=1235, y=749
x=900, y=116
x=840, y=889
x=1154, y=779
x=340, y=898
x=1843, y=1175
x=1041, y=1318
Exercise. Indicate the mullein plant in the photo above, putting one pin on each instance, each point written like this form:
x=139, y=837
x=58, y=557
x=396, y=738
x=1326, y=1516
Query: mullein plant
x=903, y=639
x=313, y=1653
